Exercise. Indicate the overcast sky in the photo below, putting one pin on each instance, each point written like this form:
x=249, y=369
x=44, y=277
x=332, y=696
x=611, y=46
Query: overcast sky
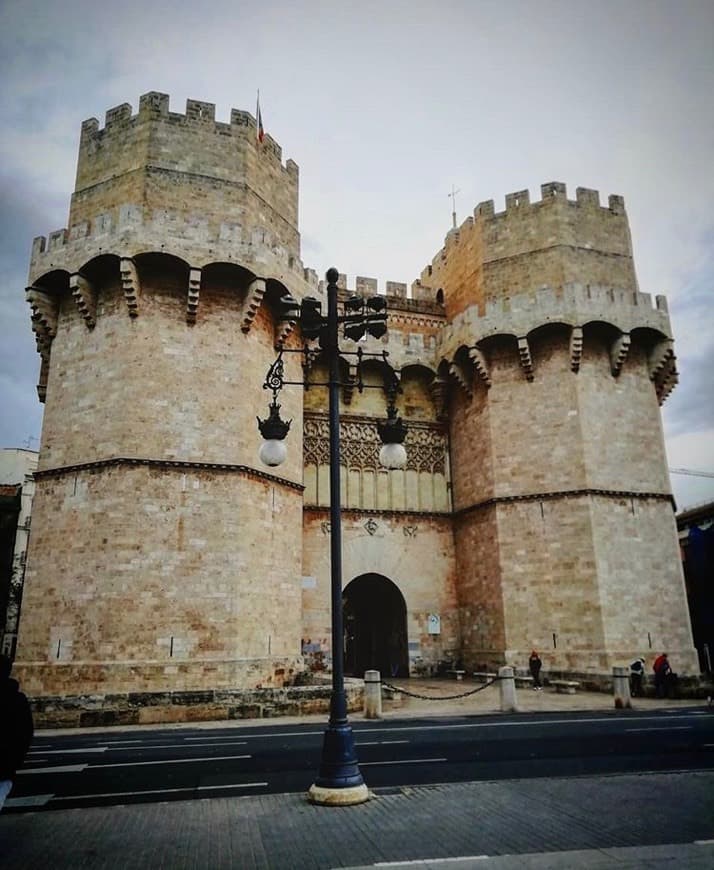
x=385, y=105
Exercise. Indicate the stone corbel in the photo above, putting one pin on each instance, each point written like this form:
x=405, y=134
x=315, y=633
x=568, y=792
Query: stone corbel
x=45, y=311
x=459, y=375
x=618, y=353
x=85, y=298
x=524, y=355
x=130, y=283
x=194, y=290
x=253, y=301
x=667, y=379
x=439, y=389
x=284, y=327
x=576, y=348
x=481, y=366
x=661, y=354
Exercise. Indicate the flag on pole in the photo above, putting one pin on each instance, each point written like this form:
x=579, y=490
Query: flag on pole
x=259, y=131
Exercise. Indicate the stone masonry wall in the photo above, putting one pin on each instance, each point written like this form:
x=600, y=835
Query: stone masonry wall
x=133, y=570
x=550, y=242
x=154, y=386
x=185, y=162
x=414, y=552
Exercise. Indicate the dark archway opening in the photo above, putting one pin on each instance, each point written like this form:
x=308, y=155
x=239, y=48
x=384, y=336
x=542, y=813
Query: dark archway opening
x=375, y=625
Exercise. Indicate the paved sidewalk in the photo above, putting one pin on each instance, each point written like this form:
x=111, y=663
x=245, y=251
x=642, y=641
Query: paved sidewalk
x=632, y=821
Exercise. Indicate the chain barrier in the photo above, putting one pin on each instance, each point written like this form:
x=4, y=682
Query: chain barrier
x=443, y=697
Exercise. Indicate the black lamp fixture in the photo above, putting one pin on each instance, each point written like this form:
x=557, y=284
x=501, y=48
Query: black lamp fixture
x=339, y=781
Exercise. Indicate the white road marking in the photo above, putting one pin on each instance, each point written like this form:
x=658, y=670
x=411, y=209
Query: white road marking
x=379, y=742
x=110, y=794
x=280, y=734
x=65, y=768
x=468, y=725
x=67, y=751
x=169, y=761
x=664, y=728
x=703, y=842
x=77, y=797
x=388, y=742
x=430, y=861
x=34, y=800
x=149, y=746
x=402, y=761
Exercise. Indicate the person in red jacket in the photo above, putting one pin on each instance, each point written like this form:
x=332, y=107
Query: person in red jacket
x=662, y=670
x=16, y=728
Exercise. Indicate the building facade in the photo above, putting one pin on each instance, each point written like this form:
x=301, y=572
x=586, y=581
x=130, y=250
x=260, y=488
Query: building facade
x=535, y=508
x=17, y=488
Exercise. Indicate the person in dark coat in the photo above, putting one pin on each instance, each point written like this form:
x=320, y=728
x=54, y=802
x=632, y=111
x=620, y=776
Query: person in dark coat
x=16, y=728
x=534, y=665
x=637, y=673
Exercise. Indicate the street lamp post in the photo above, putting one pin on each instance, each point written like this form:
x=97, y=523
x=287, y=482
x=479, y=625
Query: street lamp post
x=339, y=781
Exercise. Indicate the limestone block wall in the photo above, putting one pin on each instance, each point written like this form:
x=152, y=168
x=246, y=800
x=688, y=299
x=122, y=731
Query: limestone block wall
x=158, y=537
x=160, y=579
x=541, y=453
x=642, y=591
x=623, y=442
x=187, y=163
x=414, y=552
x=479, y=588
x=153, y=386
x=550, y=242
x=550, y=584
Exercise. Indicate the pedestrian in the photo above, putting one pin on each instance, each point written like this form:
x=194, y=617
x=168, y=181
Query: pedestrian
x=534, y=665
x=662, y=670
x=637, y=673
x=16, y=728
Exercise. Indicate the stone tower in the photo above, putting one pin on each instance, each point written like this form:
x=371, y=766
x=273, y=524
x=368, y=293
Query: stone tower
x=162, y=557
x=535, y=507
x=564, y=527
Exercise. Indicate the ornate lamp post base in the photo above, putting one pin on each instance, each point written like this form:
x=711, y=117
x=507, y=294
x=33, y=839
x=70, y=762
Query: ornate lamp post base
x=338, y=797
x=339, y=781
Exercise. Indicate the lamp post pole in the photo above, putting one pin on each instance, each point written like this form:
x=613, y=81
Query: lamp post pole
x=339, y=780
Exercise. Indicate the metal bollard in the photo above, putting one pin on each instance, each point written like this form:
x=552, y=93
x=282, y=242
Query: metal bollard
x=372, y=695
x=621, y=687
x=507, y=687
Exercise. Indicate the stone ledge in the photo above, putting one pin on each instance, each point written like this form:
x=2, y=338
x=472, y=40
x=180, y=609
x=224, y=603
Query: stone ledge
x=143, y=708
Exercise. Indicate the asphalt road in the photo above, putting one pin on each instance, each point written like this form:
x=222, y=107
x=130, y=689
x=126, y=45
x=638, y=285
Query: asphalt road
x=121, y=767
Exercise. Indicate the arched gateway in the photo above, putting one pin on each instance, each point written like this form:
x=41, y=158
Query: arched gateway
x=375, y=621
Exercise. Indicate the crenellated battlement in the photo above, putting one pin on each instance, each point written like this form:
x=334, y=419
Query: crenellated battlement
x=421, y=299
x=574, y=305
x=184, y=164
x=125, y=232
x=198, y=116
x=496, y=253
x=551, y=193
